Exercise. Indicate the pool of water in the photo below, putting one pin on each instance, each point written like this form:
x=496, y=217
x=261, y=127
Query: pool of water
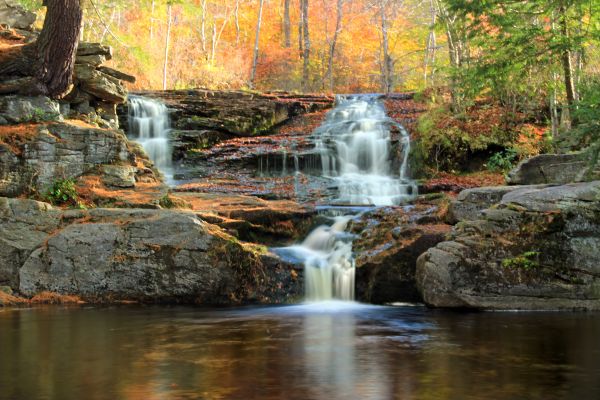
x=320, y=351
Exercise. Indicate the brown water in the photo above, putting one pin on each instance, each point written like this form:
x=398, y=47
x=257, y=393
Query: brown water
x=299, y=352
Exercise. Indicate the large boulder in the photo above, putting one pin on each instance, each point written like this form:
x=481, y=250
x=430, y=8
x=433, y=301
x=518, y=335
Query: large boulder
x=470, y=203
x=556, y=169
x=21, y=109
x=24, y=225
x=142, y=255
x=539, y=248
x=15, y=15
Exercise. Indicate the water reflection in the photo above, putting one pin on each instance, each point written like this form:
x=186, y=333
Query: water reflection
x=300, y=352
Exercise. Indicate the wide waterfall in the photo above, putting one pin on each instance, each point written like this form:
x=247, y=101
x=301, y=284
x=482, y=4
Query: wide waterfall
x=149, y=125
x=355, y=145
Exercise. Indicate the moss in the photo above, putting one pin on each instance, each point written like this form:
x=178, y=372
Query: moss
x=527, y=261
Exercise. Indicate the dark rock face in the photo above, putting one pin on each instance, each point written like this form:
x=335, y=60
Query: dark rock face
x=203, y=118
x=556, y=169
x=539, y=248
x=388, y=244
x=144, y=255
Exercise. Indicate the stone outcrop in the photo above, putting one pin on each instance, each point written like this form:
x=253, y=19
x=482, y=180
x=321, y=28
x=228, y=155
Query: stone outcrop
x=557, y=169
x=96, y=92
x=387, y=245
x=34, y=156
x=142, y=255
x=539, y=248
x=470, y=203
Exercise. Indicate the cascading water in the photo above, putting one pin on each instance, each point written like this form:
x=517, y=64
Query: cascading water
x=149, y=125
x=355, y=147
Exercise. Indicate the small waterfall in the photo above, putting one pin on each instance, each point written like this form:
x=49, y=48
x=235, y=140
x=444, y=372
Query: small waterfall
x=355, y=145
x=149, y=125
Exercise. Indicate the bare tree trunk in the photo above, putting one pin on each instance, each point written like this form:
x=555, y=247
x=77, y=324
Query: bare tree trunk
x=152, y=20
x=256, y=43
x=338, y=29
x=287, y=27
x=203, y=27
x=167, y=39
x=567, y=61
x=430, y=52
x=306, y=43
x=387, y=64
x=300, y=21
x=237, y=22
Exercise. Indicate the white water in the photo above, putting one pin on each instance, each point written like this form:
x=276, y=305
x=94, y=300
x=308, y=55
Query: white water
x=355, y=147
x=149, y=125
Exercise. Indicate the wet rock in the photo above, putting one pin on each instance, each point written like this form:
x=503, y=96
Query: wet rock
x=21, y=109
x=388, y=244
x=553, y=169
x=237, y=113
x=15, y=15
x=538, y=249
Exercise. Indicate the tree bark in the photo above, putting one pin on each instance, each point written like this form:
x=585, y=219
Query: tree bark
x=49, y=61
x=306, y=46
x=338, y=29
x=256, y=43
x=167, y=39
x=387, y=66
x=287, y=27
x=567, y=61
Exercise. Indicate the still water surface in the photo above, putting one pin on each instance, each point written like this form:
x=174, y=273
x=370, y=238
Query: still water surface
x=329, y=351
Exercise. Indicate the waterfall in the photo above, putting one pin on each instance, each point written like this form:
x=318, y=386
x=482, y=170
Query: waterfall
x=355, y=146
x=149, y=125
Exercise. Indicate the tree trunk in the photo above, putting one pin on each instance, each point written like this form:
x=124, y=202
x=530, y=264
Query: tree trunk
x=50, y=61
x=338, y=29
x=387, y=66
x=153, y=6
x=237, y=22
x=203, y=27
x=300, y=21
x=287, y=27
x=567, y=60
x=167, y=39
x=306, y=45
x=256, y=42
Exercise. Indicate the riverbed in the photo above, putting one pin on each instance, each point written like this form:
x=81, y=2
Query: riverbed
x=319, y=351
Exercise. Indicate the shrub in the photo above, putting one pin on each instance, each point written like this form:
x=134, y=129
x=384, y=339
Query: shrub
x=64, y=192
x=503, y=161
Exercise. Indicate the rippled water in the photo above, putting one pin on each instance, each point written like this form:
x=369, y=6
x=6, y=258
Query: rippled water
x=318, y=351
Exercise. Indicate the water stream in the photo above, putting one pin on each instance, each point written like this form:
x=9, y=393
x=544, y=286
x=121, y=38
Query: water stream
x=149, y=125
x=355, y=147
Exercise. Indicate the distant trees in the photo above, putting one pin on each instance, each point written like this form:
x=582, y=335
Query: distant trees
x=305, y=45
